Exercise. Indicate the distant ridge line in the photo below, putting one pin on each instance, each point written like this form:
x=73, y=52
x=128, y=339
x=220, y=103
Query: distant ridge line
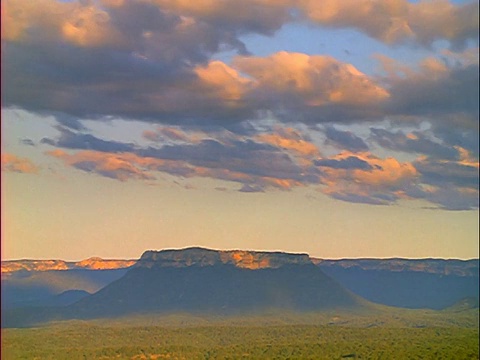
x=251, y=259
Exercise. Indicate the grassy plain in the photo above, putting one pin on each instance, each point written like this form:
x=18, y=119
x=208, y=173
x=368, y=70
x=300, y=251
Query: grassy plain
x=392, y=334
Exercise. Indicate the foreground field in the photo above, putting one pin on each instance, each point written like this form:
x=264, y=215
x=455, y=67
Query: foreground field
x=430, y=336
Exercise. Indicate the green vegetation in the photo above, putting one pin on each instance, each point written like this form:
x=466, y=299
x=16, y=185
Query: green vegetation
x=391, y=335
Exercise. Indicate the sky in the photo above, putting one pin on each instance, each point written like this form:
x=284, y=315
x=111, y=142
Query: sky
x=342, y=129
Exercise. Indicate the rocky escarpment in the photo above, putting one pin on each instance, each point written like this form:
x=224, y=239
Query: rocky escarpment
x=411, y=283
x=205, y=257
x=94, y=263
x=430, y=266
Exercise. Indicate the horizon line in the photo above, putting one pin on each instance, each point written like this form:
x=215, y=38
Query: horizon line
x=396, y=257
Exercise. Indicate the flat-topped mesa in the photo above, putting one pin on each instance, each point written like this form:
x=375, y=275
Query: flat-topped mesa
x=205, y=257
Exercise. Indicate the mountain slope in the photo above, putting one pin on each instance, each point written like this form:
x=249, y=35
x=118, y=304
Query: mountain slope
x=425, y=283
x=199, y=280
x=33, y=288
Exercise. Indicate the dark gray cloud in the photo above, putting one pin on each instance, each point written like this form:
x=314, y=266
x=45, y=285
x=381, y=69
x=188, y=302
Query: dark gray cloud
x=73, y=140
x=28, y=142
x=447, y=198
x=345, y=139
x=247, y=157
x=70, y=122
x=455, y=91
x=461, y=131
x=453, y=199
x=416, y=143
x=361, y=199
x=446, y=174
x=349, y=163
x=251, y=189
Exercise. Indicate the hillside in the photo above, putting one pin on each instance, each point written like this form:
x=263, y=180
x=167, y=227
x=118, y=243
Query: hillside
x=199, y=280
x=36, y=288
x=409, y=283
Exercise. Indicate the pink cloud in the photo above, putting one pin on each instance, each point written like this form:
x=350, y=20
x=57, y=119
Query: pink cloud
x=13, y=163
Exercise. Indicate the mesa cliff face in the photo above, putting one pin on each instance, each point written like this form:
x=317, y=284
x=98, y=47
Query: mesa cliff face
x=428, y=266
x=33, y=265
x=94, y=263
x=205, y=257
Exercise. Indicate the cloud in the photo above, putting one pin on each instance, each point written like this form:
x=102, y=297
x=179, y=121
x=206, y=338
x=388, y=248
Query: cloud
x=251, y=189
x=74, y=140
x=12, y=163
x=141, y=60
x=398, y=21
x=158, y=61
x=151, y=60
x=117, y=23
x=28, y=142
x=277, y=159
x=459, y=131
x=414, y=142
x=245, y=157
x=87, y=60
x=365, y=178
x=317, y=80
x=454, y=199
x=448, y=173
x=115, y=166
x=434, y=88
x=361, y=199
x=222, y=82
x=382, y=173
x=69, y=122
x=351, y=162
x=345, y=140
x=289, y=139
x=226, y=158
x=447, y=198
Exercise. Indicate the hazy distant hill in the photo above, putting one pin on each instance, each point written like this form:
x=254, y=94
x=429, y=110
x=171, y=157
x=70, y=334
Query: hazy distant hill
x=38, y=282
x=35, y=288
x=423, y=283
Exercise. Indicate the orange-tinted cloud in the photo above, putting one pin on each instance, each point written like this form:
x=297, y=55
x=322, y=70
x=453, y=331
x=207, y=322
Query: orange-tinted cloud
x=13, y=163
x=289, y=139
x=368, y=179
x=117, y=166
x=394, y=21
x=223, y=82
x=82, y=24
x=317, y=80
x=381, y=173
